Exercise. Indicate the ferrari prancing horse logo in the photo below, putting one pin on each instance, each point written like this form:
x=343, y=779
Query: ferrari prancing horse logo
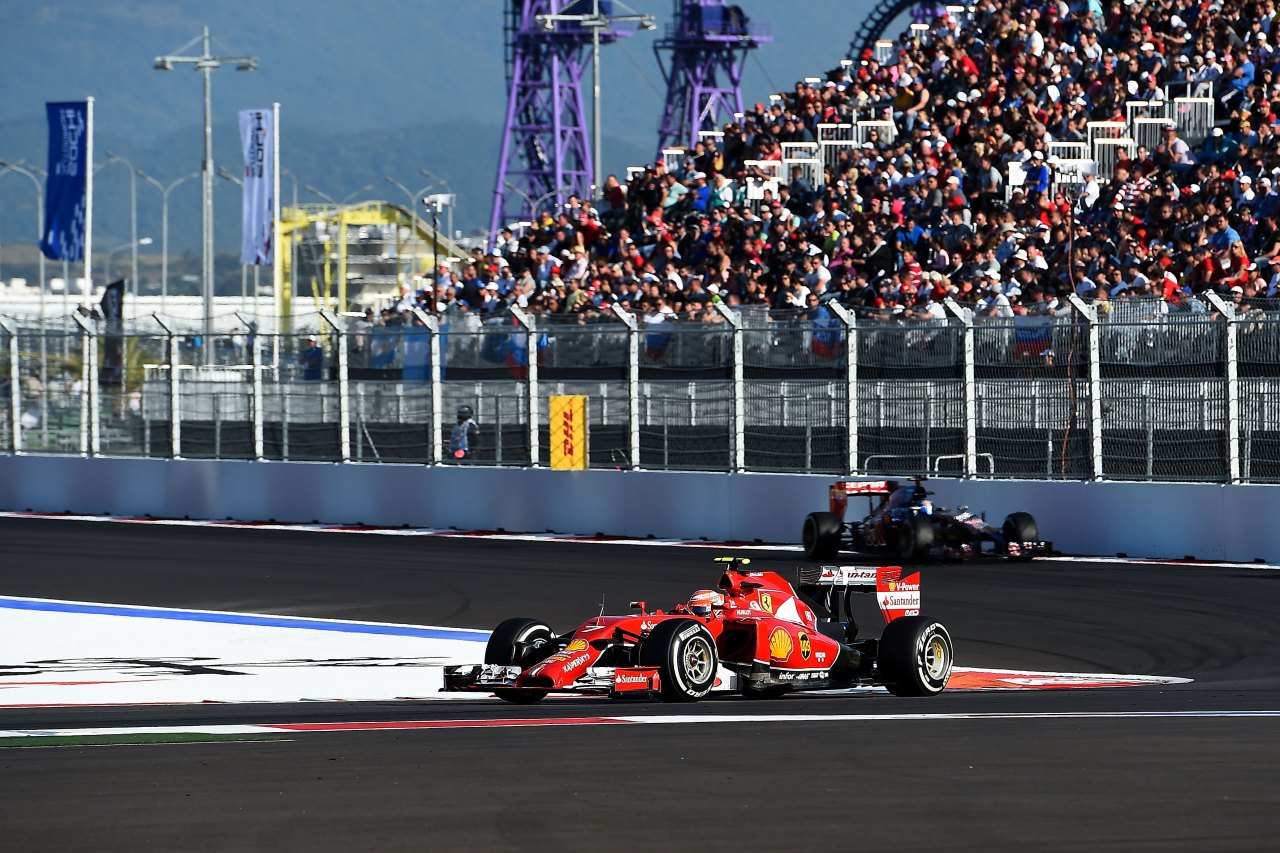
x=766, y=601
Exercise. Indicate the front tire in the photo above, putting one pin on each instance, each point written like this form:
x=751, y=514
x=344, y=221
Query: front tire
x=1020, y=527
x=914, y=538
x=520, y=642
x=685, y=655
x=915, y=657
x=821, y=535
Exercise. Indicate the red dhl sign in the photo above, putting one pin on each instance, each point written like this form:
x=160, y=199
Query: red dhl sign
x=568, y=432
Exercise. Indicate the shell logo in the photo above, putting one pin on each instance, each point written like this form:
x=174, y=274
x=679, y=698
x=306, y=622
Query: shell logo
x=780, y=644
x=766, y=601
x=576, y=646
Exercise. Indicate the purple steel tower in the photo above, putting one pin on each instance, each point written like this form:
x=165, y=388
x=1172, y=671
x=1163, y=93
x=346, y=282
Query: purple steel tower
x=546, y=144
x=708, y=41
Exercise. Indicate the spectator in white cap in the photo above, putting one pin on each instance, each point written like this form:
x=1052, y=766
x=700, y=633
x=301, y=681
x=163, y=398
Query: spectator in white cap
x=1268, y=199
x=1244, y=191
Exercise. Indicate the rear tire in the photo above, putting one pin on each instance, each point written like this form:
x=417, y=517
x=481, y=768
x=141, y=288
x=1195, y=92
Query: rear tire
x=1020, y=527
x=821, y=535
x=520, y=642
x=685, y=655
x=915, y=657
x=914, y=538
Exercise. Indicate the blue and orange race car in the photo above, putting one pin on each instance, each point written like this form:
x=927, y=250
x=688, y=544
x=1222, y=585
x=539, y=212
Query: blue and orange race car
x=903, y=521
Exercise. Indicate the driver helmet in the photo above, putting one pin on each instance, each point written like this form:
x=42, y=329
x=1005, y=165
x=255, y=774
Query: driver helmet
x=702, y=602
x=926, y=507
x=465, y=413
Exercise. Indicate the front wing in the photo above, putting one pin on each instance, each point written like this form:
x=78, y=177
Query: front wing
x=625, y=682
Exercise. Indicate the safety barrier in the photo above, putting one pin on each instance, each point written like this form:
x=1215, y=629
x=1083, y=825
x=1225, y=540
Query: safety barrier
x=1160, y=520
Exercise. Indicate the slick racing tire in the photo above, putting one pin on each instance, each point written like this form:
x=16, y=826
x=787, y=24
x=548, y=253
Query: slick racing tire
x=1020, y=527
x=915, y=657
x=821, y=536
x=520, y=642
x=685, y=655
x=914, y=538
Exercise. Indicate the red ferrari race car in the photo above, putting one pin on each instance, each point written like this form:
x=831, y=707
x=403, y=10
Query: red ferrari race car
x=754, y=634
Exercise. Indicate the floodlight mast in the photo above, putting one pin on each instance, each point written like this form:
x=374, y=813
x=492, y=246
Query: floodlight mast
x=206, y=63
x=708, y=43
x=545, y=144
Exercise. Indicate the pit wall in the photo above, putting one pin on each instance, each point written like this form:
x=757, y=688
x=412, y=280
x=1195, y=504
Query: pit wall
x=1162, y=520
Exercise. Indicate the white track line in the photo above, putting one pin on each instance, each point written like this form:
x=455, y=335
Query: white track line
x=685, y=719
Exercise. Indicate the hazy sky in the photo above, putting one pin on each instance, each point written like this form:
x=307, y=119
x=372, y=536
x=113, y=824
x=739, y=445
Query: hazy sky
x=338, y=67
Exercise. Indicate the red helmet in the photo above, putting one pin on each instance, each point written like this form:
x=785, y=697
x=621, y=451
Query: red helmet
x=702, y=602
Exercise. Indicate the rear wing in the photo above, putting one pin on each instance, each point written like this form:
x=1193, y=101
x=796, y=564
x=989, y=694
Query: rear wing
x=838, y=495
x=896, y=595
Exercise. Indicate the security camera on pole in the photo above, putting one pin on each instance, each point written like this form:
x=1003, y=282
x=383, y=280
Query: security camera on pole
x=435, y=203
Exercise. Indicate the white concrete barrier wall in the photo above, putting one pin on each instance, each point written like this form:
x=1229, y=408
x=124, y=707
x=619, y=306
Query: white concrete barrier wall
x=1169, y=520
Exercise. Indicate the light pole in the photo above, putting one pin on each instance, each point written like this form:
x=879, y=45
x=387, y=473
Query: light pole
x=35, y=175
x=434, y=203
x=206, y=63
x=112, y=157
x=413, y=208
x=596, y=22
x=164, y=228
x=333, y=201
x=534, y=204
x=132, y=244
x=244, y=272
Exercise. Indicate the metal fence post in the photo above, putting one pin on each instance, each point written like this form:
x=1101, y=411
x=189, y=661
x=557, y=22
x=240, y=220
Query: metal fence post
x=850, y=381
x=1090, y=315
x=527, y=323
x=344, y=390
x=259, y=437
x=739, y=390
x=1228, y=311
x=435, y=455
x=89, y=387
x=175, y=404
x=633, y=383
x=15, y=389
x=965, y=316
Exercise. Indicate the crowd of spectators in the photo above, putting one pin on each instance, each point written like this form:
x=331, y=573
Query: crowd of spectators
x=897, y=225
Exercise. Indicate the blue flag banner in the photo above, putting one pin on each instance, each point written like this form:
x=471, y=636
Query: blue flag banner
x=64, y=205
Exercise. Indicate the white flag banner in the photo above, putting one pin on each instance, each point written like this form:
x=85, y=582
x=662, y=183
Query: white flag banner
x=256, y=138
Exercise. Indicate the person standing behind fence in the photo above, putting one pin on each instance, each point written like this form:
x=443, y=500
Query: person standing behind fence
x=465, y=435
x=312, y=359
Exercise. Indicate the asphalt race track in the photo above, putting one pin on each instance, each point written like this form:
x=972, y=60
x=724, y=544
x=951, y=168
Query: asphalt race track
x=1143, y=768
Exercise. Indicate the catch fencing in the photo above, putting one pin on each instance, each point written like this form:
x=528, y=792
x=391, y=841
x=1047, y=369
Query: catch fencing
x=1127, y=390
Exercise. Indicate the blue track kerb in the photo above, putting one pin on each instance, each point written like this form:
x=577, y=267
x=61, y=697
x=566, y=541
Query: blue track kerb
x=244, y=619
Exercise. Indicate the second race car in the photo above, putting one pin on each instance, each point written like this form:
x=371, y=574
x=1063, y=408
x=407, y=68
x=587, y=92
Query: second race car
x=901, y=520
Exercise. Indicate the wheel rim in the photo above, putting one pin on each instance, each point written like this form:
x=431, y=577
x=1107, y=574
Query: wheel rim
x=936, y=658
x=697, y=657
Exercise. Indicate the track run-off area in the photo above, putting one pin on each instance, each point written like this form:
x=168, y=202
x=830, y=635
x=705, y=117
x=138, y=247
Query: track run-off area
x=208, y=687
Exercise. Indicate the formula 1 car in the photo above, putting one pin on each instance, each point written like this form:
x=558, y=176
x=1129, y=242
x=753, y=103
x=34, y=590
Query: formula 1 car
x=905, y=523
x=754, y=634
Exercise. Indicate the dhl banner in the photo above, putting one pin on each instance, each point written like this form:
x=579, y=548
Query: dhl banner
x=568, y=433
